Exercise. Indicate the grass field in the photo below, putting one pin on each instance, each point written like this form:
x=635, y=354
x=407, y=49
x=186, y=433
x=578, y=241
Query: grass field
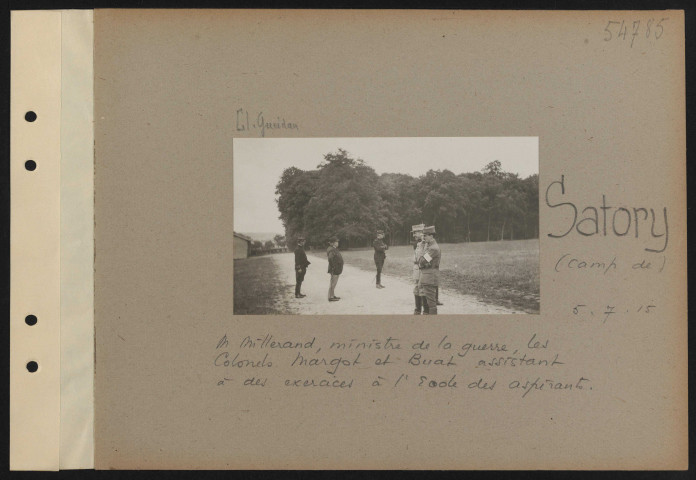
x=502, y=273
x=257, y=287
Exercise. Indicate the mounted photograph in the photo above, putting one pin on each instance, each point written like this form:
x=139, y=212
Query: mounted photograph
x=386, y=226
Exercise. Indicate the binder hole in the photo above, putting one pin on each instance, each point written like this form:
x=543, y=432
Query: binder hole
x=30, y=116
x=30, y=320
x=32, y=366
x=30, y=165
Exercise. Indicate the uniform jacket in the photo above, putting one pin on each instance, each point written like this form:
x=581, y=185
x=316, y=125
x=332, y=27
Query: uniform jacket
x=301, y=258
x=335, y=261
x=418, y=251
x=430, y=271
x=380, y=247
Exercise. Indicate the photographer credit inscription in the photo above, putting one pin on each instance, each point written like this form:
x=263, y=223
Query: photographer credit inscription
x=258, y=123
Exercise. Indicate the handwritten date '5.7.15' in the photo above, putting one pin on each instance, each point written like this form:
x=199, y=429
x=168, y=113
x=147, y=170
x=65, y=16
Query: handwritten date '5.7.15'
x=610, y=312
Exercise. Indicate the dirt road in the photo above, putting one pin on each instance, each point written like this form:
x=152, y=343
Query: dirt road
x=359, y=296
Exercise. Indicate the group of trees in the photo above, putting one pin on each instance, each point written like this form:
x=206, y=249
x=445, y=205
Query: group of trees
x=259, y=248
x=345, y=197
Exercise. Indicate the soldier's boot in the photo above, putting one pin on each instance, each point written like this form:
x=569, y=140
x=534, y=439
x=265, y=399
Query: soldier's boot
x=419, y=305
x=297, y=289
x=379, y=281
x=426, y=308
x=437, y=296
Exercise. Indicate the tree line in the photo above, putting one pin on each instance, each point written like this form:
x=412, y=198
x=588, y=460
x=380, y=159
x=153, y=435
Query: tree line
x=260, y=248
x=345, y=197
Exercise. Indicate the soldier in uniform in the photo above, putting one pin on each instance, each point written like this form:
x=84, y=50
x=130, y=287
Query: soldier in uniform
x=429, y=264
x=335, y=267
x=380, y=249
x=301, y=264
x=418, y=248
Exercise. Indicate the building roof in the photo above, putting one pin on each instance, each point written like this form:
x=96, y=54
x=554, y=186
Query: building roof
x=242, y=236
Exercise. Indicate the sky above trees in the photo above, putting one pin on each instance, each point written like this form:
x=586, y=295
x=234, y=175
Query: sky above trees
x=259, y=164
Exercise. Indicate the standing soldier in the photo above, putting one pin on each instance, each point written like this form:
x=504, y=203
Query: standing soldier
x=335, y=267
x=418, y=250
x=380, y=255
x=429, y=263
x=301, y=264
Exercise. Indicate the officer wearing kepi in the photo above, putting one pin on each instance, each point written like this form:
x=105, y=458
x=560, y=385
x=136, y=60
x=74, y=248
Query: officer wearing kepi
x=429, y=264
x=301, y=264
x=418, y=248
x=335, y=267
x=380, y=249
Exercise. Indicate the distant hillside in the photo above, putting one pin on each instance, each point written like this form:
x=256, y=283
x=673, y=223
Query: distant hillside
x=262, y=236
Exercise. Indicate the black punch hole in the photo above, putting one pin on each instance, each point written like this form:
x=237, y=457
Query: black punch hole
x=30, y=165
x=32, y=366
x=30, y=116
x=31, y=320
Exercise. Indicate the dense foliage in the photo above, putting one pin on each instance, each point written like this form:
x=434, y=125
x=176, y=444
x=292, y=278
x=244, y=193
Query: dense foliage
x=346, y=197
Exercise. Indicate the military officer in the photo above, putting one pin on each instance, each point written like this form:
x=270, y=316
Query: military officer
x=418, y=248
x=301, y=264
x=429, y=264
x=380, y=255
x=335, y=267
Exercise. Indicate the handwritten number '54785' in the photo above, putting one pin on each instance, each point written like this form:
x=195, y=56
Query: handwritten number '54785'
x=633, y=29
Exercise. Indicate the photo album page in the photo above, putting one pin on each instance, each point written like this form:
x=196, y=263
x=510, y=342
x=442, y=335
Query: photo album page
x=229, y=227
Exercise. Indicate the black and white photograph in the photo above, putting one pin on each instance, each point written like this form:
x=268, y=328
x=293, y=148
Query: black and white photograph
x=389, y=226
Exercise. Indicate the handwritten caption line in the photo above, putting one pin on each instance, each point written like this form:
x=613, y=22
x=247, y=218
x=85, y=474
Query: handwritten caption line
x=420, y=364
